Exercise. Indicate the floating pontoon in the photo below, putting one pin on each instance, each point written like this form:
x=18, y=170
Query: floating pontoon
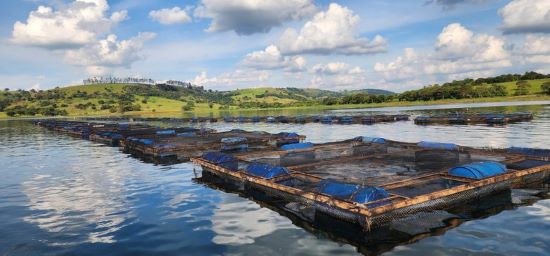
x=371, y=181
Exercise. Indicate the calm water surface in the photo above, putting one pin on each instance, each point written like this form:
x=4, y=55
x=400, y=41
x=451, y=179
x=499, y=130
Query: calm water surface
x=64, y=196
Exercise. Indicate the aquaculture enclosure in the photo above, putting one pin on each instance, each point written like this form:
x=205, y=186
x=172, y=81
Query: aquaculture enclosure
x=323, y=119
x=170, y=144
x=476, y=118
x=373, y=182
x=182, y=146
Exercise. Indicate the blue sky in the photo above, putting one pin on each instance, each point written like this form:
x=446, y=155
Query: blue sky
x=227, y=44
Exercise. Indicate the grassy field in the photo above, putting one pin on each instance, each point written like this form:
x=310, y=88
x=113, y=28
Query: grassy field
x=256, y=95
x=533, y=89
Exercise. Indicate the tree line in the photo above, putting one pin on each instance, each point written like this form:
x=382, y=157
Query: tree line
x=458, y=89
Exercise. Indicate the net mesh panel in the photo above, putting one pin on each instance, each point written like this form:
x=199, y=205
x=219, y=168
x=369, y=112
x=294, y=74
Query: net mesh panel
x=437, y=204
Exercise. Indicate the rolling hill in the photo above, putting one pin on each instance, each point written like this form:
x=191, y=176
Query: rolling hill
x=105, y=99
x=115, y=99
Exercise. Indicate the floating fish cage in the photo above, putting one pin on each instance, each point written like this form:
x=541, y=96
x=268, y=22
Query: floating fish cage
x=180, y=143
x=182, y=146
x=372, y=181
x=461, y=118
x=118, y=137
x=327, y=119
x=106, y=133
x=399, y=231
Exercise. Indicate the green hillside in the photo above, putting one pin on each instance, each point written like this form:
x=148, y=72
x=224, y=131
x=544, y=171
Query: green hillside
x=141, y=99
x=534, y=86
x=115, y=99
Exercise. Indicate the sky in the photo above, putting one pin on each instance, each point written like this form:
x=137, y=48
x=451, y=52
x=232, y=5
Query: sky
x=395, y=45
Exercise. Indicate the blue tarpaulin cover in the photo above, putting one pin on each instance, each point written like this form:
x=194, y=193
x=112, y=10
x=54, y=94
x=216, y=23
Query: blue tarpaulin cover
x=265, y=170
x=326, y=120
x=369, y=194
x=378, y=140
x=224, y=160
x=289, y=134
x=233, y=140
x=295, y=146
x=437, y=145
x=166, y=132
x=337, y=189
x=146, y=141
x=348, y=191
x=479, y=170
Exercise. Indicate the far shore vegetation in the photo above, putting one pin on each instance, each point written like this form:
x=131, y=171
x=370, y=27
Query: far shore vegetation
x=173, y=100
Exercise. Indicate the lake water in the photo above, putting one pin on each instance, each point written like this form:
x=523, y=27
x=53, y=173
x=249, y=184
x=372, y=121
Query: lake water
x=65, y=196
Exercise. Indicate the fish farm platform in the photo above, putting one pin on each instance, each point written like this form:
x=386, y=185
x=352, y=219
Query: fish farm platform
x=326, y=119
x=372, y=181
x=462, y=118
x=194, y=144
x=168, y=145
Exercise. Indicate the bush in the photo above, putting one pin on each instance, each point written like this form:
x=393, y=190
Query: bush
x=522, y=88
x=189, y=106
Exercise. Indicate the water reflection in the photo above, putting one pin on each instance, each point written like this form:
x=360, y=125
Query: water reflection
x=91, y=193
x=65, y=196
x=238, y=222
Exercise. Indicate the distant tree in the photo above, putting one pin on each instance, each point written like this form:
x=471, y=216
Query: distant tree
x=522, y=88
x=545, y=88
x=189, y=106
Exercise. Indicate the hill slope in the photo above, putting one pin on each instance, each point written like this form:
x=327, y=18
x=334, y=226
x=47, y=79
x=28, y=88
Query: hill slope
x=114, y=99
x=105, y=99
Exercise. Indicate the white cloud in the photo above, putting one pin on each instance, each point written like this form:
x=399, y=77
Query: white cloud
x=247, y=17
x=119, y=16
x=524, y=16
x=75, y=25
x=338, y=75
x=535, y=49
x=167, y=16
x=271, y=58
x=237, y=77
x=458, y=53
x=331, y=32
x=101, y=57
x=335, y=68
x=339, y=82
x=457, y=42
x=200, y=79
